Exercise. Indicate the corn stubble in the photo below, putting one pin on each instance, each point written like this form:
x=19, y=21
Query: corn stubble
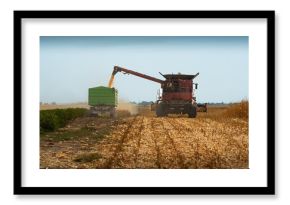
x=214, y=140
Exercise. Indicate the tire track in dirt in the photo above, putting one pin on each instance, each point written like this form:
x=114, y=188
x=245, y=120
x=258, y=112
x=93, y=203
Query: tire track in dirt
x=156, y=146
x=119, y=146
x=185, y=137
x=136, y=151
x=168, y=155
x=147, y=156
x=180, y=157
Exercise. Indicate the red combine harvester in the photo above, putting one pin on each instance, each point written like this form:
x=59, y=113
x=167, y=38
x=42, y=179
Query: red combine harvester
x=176, y=96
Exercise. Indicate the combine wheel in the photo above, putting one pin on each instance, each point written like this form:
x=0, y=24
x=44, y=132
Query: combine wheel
x=192, y=112
x=160, y=110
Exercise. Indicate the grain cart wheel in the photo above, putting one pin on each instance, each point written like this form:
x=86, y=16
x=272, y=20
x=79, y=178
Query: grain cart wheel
x=160, y=110
x=113, y=113
x=92, y=112
x=192, y=112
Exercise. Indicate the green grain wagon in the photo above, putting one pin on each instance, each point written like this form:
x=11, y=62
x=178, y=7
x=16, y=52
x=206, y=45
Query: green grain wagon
x=103, y=100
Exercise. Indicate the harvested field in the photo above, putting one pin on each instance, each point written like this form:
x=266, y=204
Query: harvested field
x=146, y=142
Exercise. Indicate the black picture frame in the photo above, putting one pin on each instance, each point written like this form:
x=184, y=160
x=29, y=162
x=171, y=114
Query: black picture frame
x=268, y=190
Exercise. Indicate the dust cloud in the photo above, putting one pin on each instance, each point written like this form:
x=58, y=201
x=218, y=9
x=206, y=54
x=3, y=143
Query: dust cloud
x=125, y=105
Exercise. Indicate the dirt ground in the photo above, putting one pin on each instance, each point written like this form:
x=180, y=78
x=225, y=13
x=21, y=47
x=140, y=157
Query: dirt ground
x=147, y=142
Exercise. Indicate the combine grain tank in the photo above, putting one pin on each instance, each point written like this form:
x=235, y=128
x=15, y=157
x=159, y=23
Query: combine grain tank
x=103, y=100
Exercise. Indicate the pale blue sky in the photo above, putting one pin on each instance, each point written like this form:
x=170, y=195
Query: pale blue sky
x=71, y=65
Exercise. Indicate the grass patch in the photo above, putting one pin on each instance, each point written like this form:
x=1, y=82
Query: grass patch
x=65, y=135
x=51, y=120
x=102, y=132
x=83, y=158
x=91, y=133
